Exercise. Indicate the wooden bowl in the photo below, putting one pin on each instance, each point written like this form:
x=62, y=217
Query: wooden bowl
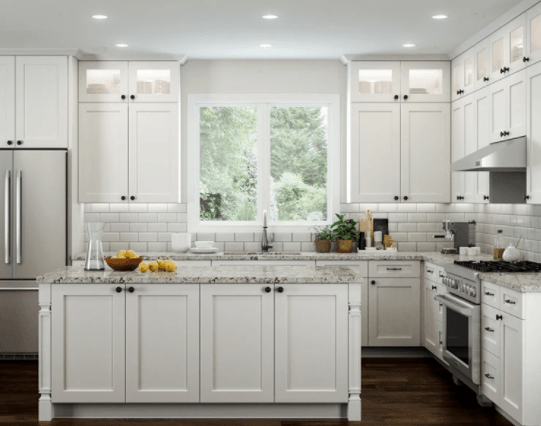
x=123, y=264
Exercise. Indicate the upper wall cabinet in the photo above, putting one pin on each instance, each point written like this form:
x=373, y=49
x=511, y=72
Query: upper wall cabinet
x=420, y=81
x=499, y=46
x=534, y=134
x=516, y=43
x=121, y=81
x=483, y=63
x=463, y=75
x=33, y=102
x=533, y=41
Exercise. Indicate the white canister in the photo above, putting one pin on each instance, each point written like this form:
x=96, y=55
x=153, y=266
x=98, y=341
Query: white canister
x=463, y=250
x=472, y=251
x=181, y=242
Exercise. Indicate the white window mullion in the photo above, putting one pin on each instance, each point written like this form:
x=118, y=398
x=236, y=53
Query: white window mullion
x=263, y=161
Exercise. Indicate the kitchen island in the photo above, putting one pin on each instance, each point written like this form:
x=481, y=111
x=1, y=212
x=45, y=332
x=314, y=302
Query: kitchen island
x=252, y=341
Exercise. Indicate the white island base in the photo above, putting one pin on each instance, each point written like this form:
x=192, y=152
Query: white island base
x=179, y=350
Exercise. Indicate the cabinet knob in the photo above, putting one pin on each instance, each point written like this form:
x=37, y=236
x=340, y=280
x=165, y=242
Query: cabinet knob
x=499, y=317
x=485, y=79
x=486, y=197
x=10, y=142
x=396, y=197
x=280, y=289
x=123, y=97
x=118, y=289
x=132, y=97
x=267, y=289
x=123, y=197
x=526, y=59
x=373, y=282
x=132, y=198
x=434, y=287
x=406, y=198
x=19, y=142
x=526, y=197
x=396, y=97
x=406, y=97
x=131, y=289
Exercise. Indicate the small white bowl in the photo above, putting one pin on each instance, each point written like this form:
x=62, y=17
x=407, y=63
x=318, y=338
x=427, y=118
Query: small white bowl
x=204, y=244
x=181, y=247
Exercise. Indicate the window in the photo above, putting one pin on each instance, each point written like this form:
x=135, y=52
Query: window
x=248, y=154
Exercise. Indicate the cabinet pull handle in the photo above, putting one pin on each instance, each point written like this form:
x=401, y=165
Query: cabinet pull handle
x=10, y=142
x=132, y=97
x=406, y=97
x=488, y=376
x=441, y=274
x=486, y=197
x=131, y=289
x=406, y=198
x=489, y=294
x=118, y=289
x=526, y=197
x=394, y=269
x=18, y=217
x=526, y=59
x=434, y=287
x=430, y=271
x=489, y=329
x=280, y=289
x=396, y=97
x=267, y=289
x=7, y=218
x=510, y=302
x=499, y=317
x=485, y=78
x=373, y=282
x=19, y=142
x=396, y=197
x=123, y=97
x=132, y=198
x=123, y=197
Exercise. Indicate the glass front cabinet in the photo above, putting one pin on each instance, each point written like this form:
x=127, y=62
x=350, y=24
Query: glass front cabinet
x=134, y=81
x=395, y=81
x=533, y=31
x=463, y=70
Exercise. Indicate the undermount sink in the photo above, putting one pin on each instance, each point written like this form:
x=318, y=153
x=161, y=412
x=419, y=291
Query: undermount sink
x=260, y=253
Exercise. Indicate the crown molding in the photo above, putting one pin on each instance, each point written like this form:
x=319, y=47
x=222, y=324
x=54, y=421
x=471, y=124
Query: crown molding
x=134, y=57
x=40, y=52
x=366, y=57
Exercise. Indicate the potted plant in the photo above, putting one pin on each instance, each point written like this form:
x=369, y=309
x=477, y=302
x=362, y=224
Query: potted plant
x=344, y=231
x=324, y=237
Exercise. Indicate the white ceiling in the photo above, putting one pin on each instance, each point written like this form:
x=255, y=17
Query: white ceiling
x=305, y=29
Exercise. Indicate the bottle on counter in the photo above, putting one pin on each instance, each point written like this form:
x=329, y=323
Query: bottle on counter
x=499, y=246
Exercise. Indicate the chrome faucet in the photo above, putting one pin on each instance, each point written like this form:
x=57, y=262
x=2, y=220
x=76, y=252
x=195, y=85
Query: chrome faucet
x=265, y=245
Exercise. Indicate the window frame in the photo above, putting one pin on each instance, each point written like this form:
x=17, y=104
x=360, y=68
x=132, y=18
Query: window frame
x=263, y=103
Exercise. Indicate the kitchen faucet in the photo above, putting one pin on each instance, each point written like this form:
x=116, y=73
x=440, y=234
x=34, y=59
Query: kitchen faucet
x=265, y=245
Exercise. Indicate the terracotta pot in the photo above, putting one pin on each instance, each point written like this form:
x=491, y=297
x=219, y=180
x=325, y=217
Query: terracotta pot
x=344, y=246
x=323, y=246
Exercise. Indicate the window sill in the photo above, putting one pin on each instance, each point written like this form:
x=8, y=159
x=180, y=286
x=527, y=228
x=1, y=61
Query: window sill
x=297, y=228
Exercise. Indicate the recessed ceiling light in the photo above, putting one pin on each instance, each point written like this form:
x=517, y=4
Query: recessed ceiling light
x=270, y=16
x=264, y=45
x=99, y=16
x=439, y=17
x=121, y=45
x=409, y=45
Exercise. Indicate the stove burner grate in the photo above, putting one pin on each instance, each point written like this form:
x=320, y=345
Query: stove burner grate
x=500, y=266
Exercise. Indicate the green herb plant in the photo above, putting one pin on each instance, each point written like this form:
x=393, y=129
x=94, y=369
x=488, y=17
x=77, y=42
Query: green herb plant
x=323, y=233
x=345, y=229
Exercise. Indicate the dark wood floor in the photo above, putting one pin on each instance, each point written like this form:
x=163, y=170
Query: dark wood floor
x=398, y=392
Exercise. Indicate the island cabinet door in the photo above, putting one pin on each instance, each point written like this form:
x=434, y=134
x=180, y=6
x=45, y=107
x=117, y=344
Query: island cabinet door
x=162, y=343
x=311, y=343
x=237, y=343
x=88, y=337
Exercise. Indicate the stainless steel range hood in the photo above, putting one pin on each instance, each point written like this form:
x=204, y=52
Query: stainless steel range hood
x=505, y=156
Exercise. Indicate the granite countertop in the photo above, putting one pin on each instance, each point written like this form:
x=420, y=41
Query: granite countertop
x=256, y=274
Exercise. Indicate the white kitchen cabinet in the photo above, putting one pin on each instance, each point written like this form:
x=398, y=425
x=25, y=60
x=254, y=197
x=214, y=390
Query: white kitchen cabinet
x=426, y=81
x=154, y=153
x=374, y=81
x=154, y=81
x=375, y=151
x=517, y=35
x=7, y=101
x=41, y=93
x=490, y=376
x=311, y=343
x=463, y=70
x=431, y=335
x=237, y=343
x=162, y=343
x=499, y=46
x=88, y=344
x=103, y=153
x=457, y=149
x=425, y=153
x=533, y=31
x=483, y=63
x=508, y=107
x=482, y=136
x=395, y=312
x=533, y=93
x=490, y=330
x=103, y=81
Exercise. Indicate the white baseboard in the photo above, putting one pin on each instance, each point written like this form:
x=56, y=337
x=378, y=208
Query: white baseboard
x=407, y=352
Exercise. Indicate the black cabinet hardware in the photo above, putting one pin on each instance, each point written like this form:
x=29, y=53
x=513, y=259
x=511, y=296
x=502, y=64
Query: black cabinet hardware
x=525, y=59
x=499, y=317
x=510, y=302
x=132, y=97
x=434, y=287
x=406, y=198
x=489, y=329
x=485, y=79
x=132, y=198
x=396, y=197
x=123, y=97
x=19, y=142
x=526, y=197
x=123, y=197
x=10, y=142
x=489, y=294
x=459, y=197
x=118, y=289
x=486, y=197
x=406, y=97
x=504, y=70
x=430, y=271
x=280, y=289
x=396, y=96
x=488, y=376
x=267, y=289
x=373, y=282
x=131, y=289
x=394, y=269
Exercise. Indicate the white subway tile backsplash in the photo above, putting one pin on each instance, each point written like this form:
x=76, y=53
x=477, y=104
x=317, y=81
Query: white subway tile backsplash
x=119, y=208
x=138, y=227
x=132, y=217
x=164, y=237
x=229, y=246
x=302, y=237
x=157, y=208
x=407, y=227
x=206, y=236
x=129, y=236
x=417, y=217
x=349, y=208
x=149, y=236
x=176, y=227
x=252, y=246
x=417, y=236
x=139, y=247
x=110, y=217
x=120, y=227
x=282, y=236
x=292, y=246
x=244, y=236
x=225, y=236
x=92, y=217
x=157, y=246
x=157, y=227
x=407, y=208
x=138, y=208
x=176, y=208
x=99, y=208
x=167, y=217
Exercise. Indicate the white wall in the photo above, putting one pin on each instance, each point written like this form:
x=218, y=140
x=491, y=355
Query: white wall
x=262, y=77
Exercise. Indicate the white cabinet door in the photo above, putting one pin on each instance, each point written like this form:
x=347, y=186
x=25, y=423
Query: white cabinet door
x=499, y=48
x=103, y=153
x=374, y=81
x=490, y=329
x=7, y=101
x=426, y=153
x=508, y=107
x=483, y=63
x=463, y=69
x=534, y=133
x=88, y=343
x=533, y=31
x=516, y=41
x=154, y=153
x=162, y=343
x=427, y=81
x=482, y=128
x=395, y=312
x=311, y=343
x=154, y=81
x=103, y=81
x=511, y=365
x=490, y=376
x=470, y=146
x=457, y=70
x=430, y=290
x=375, y=151
x=237, y=343
x=42, y=101
x=457, y=149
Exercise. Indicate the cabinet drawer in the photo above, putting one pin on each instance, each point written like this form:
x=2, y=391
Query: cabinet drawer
x=390, y=269
x=431, y=272
x=490, y=294
x=490, y=329
x=361, y=267
x=490, y=376
x=512, y=302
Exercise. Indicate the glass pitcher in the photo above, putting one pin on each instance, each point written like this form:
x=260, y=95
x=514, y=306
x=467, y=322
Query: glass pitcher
x=94, y=260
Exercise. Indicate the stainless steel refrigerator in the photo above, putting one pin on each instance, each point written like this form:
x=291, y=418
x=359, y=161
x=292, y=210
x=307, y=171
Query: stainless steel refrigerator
x=33, y=239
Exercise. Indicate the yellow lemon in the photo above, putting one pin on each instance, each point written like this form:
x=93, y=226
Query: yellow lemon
x=153, y=266
x=121, y=253
x=143, y=267
x=169, y=267
x=130, y=254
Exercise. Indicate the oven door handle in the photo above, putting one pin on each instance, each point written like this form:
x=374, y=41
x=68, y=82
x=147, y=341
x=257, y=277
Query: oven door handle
x=455, y=303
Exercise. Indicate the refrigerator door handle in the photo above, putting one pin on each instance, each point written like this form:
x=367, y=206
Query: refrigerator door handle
x=18, y=217
x=7, y=217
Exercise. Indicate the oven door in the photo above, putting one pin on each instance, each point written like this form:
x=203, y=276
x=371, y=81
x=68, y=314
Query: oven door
x=462, y=336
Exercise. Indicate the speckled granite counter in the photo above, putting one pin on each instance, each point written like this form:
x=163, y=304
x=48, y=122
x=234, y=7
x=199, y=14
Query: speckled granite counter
x=256, y=274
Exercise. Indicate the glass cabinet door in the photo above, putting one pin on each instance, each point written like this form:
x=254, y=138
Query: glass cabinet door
x=482, y=64
x=458, y=75
x=499, y=46
x=426, y=81
x=103, y=81
x=154, y=81
x=533, y=39
x=516, y=40
x=374, y=81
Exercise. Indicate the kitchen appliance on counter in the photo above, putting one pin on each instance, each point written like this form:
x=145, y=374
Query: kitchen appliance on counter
x=33, y=231
x=462, y=234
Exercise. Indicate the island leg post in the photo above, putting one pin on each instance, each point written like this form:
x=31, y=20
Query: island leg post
x=45, y=406
x=354, y=403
